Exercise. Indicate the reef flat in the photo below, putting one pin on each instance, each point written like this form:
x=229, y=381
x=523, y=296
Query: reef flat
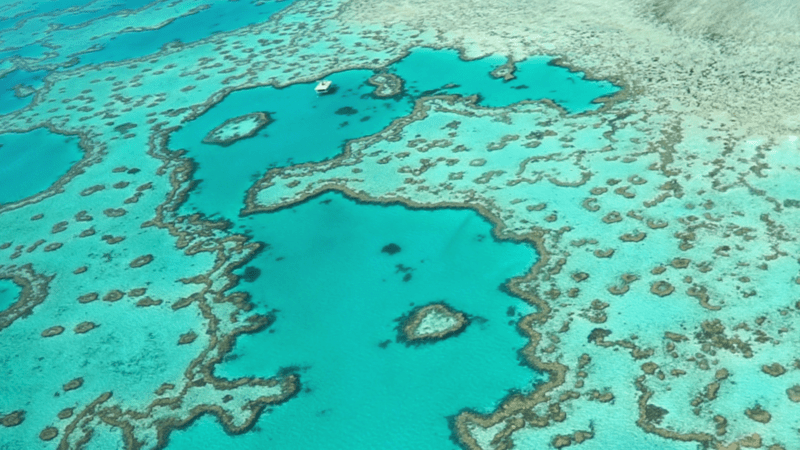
x=663, y=304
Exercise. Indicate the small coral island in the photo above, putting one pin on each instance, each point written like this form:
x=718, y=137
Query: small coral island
x=237, y=128
x=386, y=84
x=431, y=323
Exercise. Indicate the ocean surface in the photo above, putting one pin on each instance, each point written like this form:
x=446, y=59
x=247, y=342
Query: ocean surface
x=311, y=128
x=250, y=293
x=33, y=161
x=323, y=270
x=337, y=299
x=9, y=293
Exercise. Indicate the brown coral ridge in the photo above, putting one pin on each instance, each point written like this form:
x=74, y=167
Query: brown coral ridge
x=758, y=414
x=13, y=419
x=52, y=331
x=290, y=386
x=662, y=288
x=48, y=434
x=514, y=403
x=74, y=384
x=84, y=327
x=650, y=416
x=187, y=338
x=409, y=324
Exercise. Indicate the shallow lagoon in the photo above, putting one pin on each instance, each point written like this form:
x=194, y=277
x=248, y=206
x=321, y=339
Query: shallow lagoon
x=31, y=162
x=8, y=99
x=9, y=294
x=426, y=71
x=338, y=296
x=325, y=272
x=306, y=128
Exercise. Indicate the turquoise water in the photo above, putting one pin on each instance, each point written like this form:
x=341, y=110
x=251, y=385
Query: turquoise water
x=308, y=127
x=85, y=15
x=29, y=51
x=31, y=162
x=219, y=17
x=337, y=296
x=9, y=294
x=24, y=10
x=427, y=71
x=13, y=15
x=8, y=100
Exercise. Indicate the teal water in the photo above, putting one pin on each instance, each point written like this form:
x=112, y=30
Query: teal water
x=8, y=100
x=11, y=15
x=308, y=127
x=86, y=14
x=9, y=294
x=336, y=297
x=28, y=51
x=31, y=162
x=427, y=71
x=219, y=17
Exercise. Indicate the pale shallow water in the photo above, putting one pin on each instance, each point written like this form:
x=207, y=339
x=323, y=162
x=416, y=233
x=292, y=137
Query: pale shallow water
x=8, y=99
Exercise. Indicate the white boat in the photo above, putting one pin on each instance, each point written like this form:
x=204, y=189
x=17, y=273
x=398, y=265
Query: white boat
x=323, y=87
